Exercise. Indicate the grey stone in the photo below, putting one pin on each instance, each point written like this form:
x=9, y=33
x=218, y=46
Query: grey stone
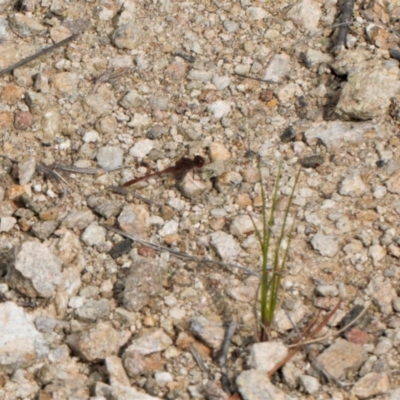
x=151, y=343
x=7, y=223
x=65, y=85
x=5, y=31
x=210, y=332
x=20, y=386
x=305, y=13
x=219, y=109
x=124, y=316
x=159, y=103
x=4, y=4
x=162, y=378
x=377, y=253
x=36, y=270
x=91, y=136
x=225, y=245
x=309, y=383
x=231, y=26
x=265, y=355
x=382, y=292
x=127, y=36
x=347, y=61
x=121, y=392
x=255, y=385
x=51, y=124
x=14, y=52
x=41, y=84
x=368, y=90
x=278, y=68
x=142, y=148
x=20, y=343
x=110, y=157
x=93, y=310
x=94, y=235
x=101, y=103
x=291, y=374
x=139, y=120
x=383, y=346
x=106, y=209
x=134, y=219
x=202, y=76
x=116, y=372
x=134, y=362
x=336, y=134
x=296, y=313
x=44, y=229
x=107, y=125
x=396, y=304
x=37, y=102
x=341, y=358
x=313, y=57
x=132, y=99
x=143, y=283
x=256, y=13
x=326, y=245
x=327, y=290
x=353, y=186
x=243, y=225
x=96, y=343
x=24, y=26
x=45, y=325
x=102, y=390
x=78, y=219
x=371, y=385
x=221, y=82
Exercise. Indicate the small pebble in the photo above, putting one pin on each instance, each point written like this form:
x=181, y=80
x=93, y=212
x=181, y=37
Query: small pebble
x=23, y=120
x=110, y=157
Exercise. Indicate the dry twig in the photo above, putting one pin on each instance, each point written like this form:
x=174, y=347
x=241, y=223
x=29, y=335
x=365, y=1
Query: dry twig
x=108, y=75
x=348, y=6
x=40, y=53
x=300, y=345
x=253, y=78
x=340, y=331
x=178, y=254
x=199, y=359
x=225, y=345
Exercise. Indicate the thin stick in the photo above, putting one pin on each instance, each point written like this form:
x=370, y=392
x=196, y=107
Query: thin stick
x=90, y=171
x=301, y=344
x=93, y=171
x=108, y=75
x=305, y=332
x=225, y=345
x=178, y=253
x=298, y=333
x=196, y=355
x=125, y=192
x=224, y=356
x=53, y=174
x=253, y=78
x=348, y=6
x=39, y=54
x=46, y=171
x=339, y=332
x=325, y=320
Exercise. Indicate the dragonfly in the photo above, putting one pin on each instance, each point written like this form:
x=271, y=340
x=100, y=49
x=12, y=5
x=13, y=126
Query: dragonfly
x=181, y=167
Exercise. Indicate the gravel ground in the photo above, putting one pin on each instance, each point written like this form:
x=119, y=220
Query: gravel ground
x=87, y=313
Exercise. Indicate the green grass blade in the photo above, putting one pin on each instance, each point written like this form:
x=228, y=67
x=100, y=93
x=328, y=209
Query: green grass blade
x=270, y=282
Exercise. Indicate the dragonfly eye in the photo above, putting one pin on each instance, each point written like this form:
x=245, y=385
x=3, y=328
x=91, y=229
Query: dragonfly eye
x=199, y=161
